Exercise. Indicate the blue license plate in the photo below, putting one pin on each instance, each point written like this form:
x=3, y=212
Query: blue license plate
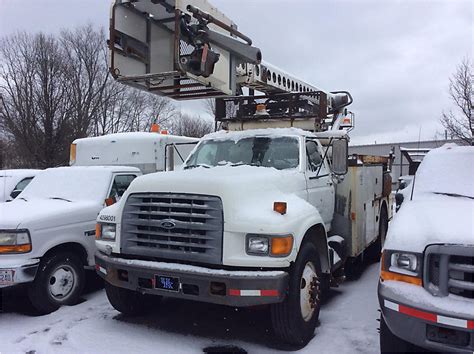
x=166, y=283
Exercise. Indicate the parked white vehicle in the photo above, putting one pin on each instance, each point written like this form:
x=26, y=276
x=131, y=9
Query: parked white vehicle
x=47, y=232
x=251, y=220
x=12, y=182
x=146, y=151
x=426, y=287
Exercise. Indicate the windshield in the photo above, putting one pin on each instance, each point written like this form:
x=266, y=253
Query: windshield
x=278, y=152
x=69, y=184
x=447, y=170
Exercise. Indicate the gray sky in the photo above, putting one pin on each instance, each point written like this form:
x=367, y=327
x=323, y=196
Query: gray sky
x=395, y=57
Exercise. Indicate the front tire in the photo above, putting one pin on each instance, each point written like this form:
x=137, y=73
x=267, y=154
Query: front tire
x=128, y=302
x=295, y=319
x=59, y=281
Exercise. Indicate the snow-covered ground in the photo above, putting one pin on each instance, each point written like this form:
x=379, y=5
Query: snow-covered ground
x=348, y=324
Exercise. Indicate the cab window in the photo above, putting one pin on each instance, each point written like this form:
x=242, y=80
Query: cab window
x=120, y=185
x=314, y=156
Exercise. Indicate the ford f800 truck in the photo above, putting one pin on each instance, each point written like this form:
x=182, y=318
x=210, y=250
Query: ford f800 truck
x=268, y=210
x=255, y=217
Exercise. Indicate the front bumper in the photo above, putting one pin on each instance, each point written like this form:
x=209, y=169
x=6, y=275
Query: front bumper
x=23, y=271
x=225, y=287
x=414, y=315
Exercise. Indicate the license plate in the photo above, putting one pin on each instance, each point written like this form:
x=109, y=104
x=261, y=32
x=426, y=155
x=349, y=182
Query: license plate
x=166, y=283
x=6, y=277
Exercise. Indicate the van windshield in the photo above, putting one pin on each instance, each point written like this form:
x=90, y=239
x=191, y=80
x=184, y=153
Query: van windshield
x=278, y=152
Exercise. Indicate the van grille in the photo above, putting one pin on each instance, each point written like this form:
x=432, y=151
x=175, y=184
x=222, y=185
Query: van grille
x=449, y=270
x=186, y=227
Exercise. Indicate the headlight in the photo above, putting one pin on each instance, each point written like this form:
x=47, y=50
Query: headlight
x=105, y=232
x=15, y=241
x=266, y=245
x=402, y=266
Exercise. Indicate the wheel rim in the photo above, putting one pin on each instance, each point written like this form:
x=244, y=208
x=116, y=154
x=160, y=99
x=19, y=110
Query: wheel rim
x=62, y=282
x=309, y=296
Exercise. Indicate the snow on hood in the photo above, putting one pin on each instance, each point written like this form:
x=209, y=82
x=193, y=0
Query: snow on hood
x=38, y=214
x=72, y=183
x=247, y=192
x=448, y=169
x=433, y=219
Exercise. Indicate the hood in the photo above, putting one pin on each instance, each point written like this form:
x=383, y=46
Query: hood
x=247, y=192
x=431, y=219
x=39, y=214
x=219, y=180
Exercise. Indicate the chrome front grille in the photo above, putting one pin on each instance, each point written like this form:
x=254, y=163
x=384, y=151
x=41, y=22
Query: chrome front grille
x=449, y=269
x=183, y=227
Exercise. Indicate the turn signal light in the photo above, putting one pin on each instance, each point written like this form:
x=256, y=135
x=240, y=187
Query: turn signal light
x=280, y=207
x=16, y=249
x=386, y=275
x=281, y=246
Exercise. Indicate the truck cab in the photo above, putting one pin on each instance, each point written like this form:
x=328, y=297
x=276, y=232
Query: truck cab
x=247, y=221
x=47, y=232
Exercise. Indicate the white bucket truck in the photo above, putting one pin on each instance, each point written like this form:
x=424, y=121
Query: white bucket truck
x=261, y=213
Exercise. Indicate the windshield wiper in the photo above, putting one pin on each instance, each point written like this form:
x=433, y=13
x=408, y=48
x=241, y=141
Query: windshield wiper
x=454, y=195
x=197, y=165
x=247, y=164
x=21, y=198
x=59, y=198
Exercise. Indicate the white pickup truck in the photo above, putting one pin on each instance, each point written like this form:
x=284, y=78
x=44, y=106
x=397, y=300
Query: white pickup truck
x=250, y=220
x=47, y=232
x=426, y=288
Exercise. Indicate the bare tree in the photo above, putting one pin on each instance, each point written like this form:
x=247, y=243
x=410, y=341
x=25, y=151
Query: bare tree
x=460, y=124
x=33, y=94
x=192, y=126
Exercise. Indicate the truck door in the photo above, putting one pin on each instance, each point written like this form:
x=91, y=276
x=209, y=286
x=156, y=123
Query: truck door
x=318, y=182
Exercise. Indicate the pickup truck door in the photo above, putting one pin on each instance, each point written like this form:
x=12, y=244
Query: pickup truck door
x=319, y=184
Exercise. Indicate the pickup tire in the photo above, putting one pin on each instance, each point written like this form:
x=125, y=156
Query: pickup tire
x=128, y=302
x=295, y=319
x=390, y=343
x=59, y=281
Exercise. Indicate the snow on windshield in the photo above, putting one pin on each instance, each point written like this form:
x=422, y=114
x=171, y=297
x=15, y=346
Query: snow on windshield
x=448, y=170
x=71, y=183
x=268, y=151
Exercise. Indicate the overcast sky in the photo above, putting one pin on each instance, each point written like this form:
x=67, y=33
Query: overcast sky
x=395, y=57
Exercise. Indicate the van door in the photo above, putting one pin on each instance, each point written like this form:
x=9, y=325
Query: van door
x=318, y=182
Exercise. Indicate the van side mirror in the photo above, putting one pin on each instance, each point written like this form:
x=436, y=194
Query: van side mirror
x=15, y=193
x=398, y=200
x=339, y=156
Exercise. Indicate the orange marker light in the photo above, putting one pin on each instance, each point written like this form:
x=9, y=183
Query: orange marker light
x=72, y=154
x=281, y=246
x=386, y=275
x=164, y=132
x=280, y=207
x=16, y=249
x=98, y=231
x=155, y=128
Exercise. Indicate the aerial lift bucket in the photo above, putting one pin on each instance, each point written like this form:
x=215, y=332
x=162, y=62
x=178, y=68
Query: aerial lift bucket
x=182, y=49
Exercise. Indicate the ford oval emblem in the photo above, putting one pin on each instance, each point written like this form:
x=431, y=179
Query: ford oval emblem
x=167, y=224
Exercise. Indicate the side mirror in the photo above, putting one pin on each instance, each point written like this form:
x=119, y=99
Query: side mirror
x=15, y=193
x=339, y=156
x=398, y=200
x=110, y=201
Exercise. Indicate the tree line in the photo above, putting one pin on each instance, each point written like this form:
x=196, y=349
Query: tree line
x=56, y=88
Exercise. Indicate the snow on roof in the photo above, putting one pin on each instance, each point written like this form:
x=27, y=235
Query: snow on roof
x=147, y=136
x=237, y=135
x=448, y=169
x=18, y=172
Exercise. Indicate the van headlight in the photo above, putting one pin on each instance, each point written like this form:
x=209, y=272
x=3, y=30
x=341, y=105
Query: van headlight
x=105, y=232
x=15, y=241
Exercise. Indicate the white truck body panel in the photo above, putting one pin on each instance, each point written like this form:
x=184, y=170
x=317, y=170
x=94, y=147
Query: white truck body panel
x=145, y=151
